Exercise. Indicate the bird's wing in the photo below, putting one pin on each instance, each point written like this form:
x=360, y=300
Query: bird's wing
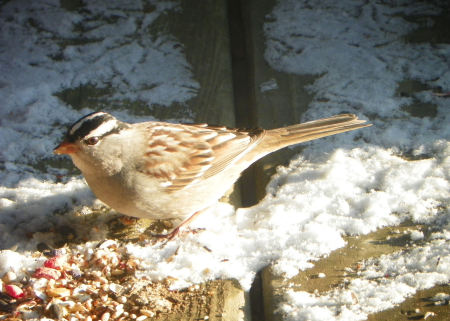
x=181, y=155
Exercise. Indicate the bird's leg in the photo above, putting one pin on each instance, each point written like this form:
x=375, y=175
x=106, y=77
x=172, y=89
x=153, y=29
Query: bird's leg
x=178, y=229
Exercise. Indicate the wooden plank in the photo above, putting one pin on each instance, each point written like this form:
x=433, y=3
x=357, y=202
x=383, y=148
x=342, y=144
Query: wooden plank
x=280, y=106
x=221, y=300
x=418, y=307
x=203, y=31
x=384, y=241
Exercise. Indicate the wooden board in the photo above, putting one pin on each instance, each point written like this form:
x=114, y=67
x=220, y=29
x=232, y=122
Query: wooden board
x=337, y=268
x=281, y=106
x=203, y=31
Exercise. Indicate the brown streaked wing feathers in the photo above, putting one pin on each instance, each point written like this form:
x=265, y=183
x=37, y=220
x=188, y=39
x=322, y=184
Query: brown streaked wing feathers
x=192, y=152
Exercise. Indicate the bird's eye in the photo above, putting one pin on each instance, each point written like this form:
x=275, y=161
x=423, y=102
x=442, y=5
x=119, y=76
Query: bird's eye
x=92, y=140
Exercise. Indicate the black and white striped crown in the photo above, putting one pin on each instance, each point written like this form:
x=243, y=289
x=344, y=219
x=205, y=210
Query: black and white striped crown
x=97, y=124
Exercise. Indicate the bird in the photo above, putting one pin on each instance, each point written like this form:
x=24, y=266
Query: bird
x=168, y=171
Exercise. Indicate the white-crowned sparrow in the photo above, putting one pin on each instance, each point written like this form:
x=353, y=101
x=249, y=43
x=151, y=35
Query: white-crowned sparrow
x=161, y=170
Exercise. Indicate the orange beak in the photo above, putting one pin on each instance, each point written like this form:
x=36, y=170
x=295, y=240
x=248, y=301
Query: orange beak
x=65, y=148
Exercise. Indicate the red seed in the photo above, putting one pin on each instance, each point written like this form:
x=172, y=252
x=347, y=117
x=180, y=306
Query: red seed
x=55, y=262
x=14, y=291
x=46, y=272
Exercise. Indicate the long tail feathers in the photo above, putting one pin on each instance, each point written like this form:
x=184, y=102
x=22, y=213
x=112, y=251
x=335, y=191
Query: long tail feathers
x=295, y=134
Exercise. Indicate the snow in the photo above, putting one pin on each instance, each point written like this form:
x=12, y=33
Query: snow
x=416, y=235
x=384, y=282
x=352, y=183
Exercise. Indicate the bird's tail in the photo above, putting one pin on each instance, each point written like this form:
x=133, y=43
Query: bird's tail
x=278, y=138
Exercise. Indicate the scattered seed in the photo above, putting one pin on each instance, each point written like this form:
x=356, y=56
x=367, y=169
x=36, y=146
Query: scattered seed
x=148, y=313
x=115, y=288
x=92, y=285
x=105, y=316
x=58, y=292
x=47, y=273
x=14, y=291
x=9, y=277
x=107, y=243
x=55, y=262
